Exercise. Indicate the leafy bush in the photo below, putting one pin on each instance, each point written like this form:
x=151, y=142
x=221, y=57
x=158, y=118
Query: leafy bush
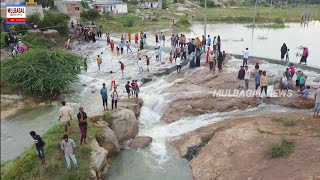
x=183, y=23
x=284, y=121
x=281, y=149
x=34, y=18
x=18, y=28
x=41, y=72
x=165, y=4
x=90, y=14
x=2, y=38
x=55, y=20
x=209, y=4
x=36, y=41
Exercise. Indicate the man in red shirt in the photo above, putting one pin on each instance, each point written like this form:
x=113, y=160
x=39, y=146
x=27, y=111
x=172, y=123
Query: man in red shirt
x=122, y=67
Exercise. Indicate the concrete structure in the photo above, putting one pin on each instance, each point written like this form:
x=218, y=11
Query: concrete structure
x=70, y=8
x=34, y=9
x=114, y=7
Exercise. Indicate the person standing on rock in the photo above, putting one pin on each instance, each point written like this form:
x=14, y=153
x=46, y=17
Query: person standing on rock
x=112, y=46
x=121, y=47
x=284, y=82
x=317, y=104
x=209, y=41
x=212, y=61
x=224, y=57
x=39, y=146
x=136, y=38
x=140, y=65
x=283, y=50
x=122, y=68
x=65, y=117
x=302, y=81
x=104, y=96
x=114, y=99
x=298, y=76
x=133, y=88
x=304, y=56
x=99, y=61
x=219, y=43
x=148, y=62
x=128, y=47
x=178, y=64
x=292, y=70
x=241, y=75
x=220, y=60
x=68, y=149
x=245, y=57
x=207, y=54
x=264, y=83
x=137, y=89
x=157, y=54
x=247, y=77
x=128, y=87
x=83, y=119
x=257, y=80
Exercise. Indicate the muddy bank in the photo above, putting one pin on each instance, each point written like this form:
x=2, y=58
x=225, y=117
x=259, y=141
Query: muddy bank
x=238, y=147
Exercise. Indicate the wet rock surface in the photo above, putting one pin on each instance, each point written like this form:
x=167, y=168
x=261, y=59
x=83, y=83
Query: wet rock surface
x=241, y=144
x=140, y=142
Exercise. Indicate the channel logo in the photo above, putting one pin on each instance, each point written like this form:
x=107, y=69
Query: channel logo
x=16, y=14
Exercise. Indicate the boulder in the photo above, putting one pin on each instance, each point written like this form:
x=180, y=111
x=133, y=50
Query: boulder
x=132, y=104
x=108, y=140
x=140, y=142
x=101, y=116
x=35, y=31
x=101, y=124
x=51, y=34
x=124, y=124
x=145, y=80
x=98, y=160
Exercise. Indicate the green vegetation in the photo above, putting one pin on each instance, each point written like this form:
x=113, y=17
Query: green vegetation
x=85, y=4
x=284, y=121
x=36, y=41
x=41, y=72
x=55, y=20
x=281, y=149
x=2, y=39
x=27, y=166
x=90, y=14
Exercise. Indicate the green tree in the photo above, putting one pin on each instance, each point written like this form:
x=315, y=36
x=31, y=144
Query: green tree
x=55, y=20
x=90, y=14
x=85, y=4
x=165, y=4
x=41, y=72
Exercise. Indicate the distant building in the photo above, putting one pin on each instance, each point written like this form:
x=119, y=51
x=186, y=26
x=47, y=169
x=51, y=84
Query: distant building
x=153, y=4
x=72, y=8
x=107, y=6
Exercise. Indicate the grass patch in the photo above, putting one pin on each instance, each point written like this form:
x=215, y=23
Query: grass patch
x=281, y=149
x=27, y=166
x=285, y=121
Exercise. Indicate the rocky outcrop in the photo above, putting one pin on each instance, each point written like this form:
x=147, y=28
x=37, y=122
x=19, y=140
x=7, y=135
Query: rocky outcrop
x=239, y=147
x=98, y=161
x=108, y=140
x=132, y=104
x=292, y=102
x=195, y=106
x=124, y=124
x=140, y=142
x=51, y=34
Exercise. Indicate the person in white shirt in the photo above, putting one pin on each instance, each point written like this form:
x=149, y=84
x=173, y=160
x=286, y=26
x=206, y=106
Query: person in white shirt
x=284, y=82
x=140, y=65
x=317, y=107
x=67, y=147
x=245, y=57
x=178, y=64
x=114, y=97
x=65, y=117
x=247, y=77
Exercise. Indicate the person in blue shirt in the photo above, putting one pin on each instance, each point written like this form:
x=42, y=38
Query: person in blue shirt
x=121, y=47
x=104, y=95
x=160, y=52
x=209, y=40
x=257, y=79
x=302, y=82
x=305, y=93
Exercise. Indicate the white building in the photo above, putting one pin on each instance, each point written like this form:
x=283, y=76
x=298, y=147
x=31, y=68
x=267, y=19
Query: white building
x=107, y=6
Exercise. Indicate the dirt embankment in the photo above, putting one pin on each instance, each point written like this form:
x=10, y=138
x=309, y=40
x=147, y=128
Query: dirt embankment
x=238, y=148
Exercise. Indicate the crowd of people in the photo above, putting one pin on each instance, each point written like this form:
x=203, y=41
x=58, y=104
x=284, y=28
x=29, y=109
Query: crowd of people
x=181, y=49
x=15, y=44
